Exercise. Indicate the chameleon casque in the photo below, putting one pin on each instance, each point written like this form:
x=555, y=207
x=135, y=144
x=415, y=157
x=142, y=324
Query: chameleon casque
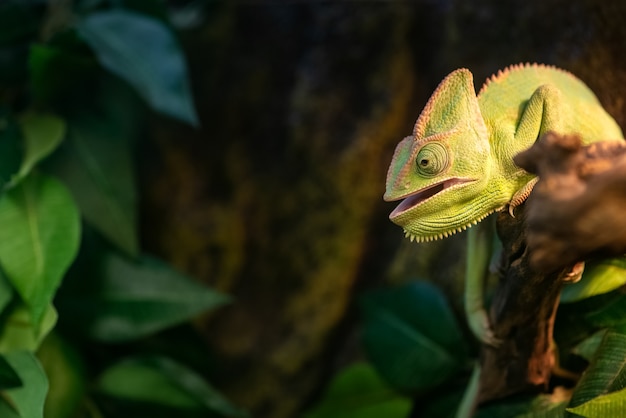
x=457, y=166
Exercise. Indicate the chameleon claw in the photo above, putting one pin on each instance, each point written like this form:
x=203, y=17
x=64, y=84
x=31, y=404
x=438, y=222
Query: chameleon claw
x=576, y=273
x=511, y=211
x=521, y=195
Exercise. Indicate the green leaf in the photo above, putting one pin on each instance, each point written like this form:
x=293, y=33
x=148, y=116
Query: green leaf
x=540, y=406
x=6, y=292
x=606, y=373
x=9, y=379
x=6, y=410
x=598, y=278
x=131, y=300
x=42, y=134
x=144, y=52
x=194, y=385
x=96, y=165
x=66, y=375
x=612, y=314
x=358, y=392
x=39, y=238
x=412, y=337
x=589, y=346
x=18, y=332
x=611, y=405
x=139, y=382
x=28, y=399
x=162, y=381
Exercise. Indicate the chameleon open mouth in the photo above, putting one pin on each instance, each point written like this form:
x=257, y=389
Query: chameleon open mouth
x=420, y=196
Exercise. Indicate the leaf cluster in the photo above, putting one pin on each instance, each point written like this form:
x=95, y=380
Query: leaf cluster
x=419, y=360
x=85, y=316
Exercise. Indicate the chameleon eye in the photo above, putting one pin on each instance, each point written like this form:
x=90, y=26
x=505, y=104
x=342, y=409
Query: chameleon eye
x=432, y=159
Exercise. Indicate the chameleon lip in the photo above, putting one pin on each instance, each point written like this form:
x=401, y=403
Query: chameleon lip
x=418, y=197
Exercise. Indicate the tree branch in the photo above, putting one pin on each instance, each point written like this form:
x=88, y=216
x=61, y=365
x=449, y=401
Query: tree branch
x=577, y=209
x=575, y=212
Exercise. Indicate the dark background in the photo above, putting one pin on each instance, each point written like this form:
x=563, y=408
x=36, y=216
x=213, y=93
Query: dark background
x=277, y=199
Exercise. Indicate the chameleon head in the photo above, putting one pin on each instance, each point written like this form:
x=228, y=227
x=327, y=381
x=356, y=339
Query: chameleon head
x=441, y=172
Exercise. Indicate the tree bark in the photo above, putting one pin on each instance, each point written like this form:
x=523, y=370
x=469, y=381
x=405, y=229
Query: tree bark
x=522, y=313
x=572, y=214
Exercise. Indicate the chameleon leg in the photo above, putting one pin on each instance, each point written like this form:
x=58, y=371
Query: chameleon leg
x=479, y=249
x=521, y=195
x=541, y=114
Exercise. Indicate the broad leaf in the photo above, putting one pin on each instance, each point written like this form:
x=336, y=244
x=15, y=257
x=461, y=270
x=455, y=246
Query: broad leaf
x=160, y=380
x=66, y=376
x=138, y=382
x=29, y=398
x=358, y=392
x=606, y=373
x=194, y=385
x=9, y=379
x=133, y=299
x=572, y=324
x=19, y=332
x=6, y=410
x=6, y=292
x=42, y=134
x=598, y=278
x=540, y=406
x=589, y=346
x=411, y=336
x=611, y=315
x=39, y=238
x=144, y=52
x=611, y=405
x=96, y=166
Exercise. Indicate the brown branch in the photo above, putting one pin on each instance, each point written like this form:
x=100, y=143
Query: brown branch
x=574, y=212
x=522, y=314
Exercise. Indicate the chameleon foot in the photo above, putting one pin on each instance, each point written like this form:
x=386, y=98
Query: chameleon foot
x=576, y=273
x=478, y=322
x=521, y=195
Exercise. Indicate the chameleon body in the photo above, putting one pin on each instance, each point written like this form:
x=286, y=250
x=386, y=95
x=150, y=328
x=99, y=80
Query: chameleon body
x=457, y=166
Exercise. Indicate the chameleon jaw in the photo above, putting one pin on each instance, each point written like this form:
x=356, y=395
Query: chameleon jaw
x=416, y=198
x=447, y=233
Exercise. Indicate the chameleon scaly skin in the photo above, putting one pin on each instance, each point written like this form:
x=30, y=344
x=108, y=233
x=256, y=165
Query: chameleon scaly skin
x=457, y=166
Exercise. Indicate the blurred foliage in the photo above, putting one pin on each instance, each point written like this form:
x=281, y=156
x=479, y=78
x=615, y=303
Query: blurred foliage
x=359, y=392
x=412, y=336
x=415, y=346
x=76, y=81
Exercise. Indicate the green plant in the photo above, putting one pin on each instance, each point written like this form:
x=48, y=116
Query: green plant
x=74, y=81
x=415, y=345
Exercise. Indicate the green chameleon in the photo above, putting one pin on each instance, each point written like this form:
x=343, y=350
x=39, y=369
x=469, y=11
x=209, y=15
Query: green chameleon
x=457, y=166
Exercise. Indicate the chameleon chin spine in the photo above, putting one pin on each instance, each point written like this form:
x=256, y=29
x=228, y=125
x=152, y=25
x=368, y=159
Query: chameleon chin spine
x=445, y=234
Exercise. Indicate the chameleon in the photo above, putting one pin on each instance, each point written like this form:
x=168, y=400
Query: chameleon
x=456, y=168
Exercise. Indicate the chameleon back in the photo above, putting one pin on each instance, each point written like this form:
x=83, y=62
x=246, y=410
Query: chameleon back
x=503, y=97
